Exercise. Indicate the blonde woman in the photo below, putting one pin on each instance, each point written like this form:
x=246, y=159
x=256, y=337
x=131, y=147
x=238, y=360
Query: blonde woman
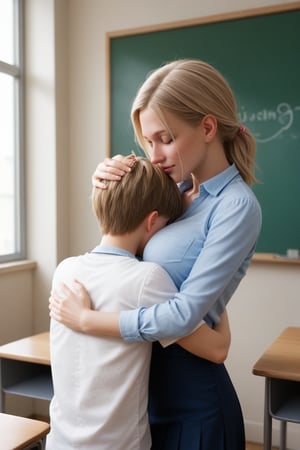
x=185, y=119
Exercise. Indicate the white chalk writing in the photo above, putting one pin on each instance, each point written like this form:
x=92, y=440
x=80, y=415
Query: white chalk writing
x=279, y=121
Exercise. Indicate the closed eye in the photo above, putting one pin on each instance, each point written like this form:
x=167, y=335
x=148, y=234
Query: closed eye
x=163, y=141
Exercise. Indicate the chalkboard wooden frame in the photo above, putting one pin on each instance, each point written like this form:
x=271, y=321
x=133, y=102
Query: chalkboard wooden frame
x=113, y=108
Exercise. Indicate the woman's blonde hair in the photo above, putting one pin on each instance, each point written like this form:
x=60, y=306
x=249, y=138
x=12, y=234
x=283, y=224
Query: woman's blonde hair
x=123, y=206
x=191, y=89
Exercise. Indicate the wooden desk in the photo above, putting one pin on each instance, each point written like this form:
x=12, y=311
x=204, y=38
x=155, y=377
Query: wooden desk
x=25, y=368
x=18, y=433
x=280, y=365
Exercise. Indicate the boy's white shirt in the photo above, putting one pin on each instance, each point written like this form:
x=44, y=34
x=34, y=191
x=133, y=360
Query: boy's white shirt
x=101, y=384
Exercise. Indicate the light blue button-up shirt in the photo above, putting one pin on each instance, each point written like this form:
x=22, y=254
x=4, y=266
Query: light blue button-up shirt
x=206, y=252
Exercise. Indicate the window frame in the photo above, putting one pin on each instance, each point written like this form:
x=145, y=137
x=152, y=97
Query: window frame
x=16, y=70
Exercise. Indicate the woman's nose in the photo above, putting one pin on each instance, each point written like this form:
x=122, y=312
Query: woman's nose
x=156, y=155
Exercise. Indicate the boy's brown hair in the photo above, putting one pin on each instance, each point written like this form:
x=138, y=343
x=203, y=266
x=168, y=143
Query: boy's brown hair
x=123, y=206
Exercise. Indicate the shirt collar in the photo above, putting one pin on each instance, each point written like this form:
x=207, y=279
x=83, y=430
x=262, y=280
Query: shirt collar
x=112, y=251
x=216, y=184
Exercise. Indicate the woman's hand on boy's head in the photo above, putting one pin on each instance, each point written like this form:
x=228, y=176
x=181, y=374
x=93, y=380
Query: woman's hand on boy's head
x=112, y=169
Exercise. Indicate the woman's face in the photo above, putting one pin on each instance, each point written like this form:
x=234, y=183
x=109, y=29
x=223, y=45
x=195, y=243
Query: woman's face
x=180, y=149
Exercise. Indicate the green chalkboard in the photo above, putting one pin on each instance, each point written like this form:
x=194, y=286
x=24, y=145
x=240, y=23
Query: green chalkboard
x=259, y=54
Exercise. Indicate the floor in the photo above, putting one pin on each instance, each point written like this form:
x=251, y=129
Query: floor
x=252, y=446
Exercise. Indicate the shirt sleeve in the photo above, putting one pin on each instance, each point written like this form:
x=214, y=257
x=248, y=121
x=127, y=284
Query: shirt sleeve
x=233, y=230
x=168, y=341
x=158, y=288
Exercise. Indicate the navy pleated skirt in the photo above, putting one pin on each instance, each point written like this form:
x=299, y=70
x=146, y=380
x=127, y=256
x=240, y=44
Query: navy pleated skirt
x=192, y=403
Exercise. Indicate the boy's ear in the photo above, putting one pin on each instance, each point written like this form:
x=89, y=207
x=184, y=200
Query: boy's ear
x=150, y=220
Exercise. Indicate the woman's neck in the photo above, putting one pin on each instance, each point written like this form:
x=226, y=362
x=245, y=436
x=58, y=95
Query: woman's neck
x=214, y=163
x=198, y=178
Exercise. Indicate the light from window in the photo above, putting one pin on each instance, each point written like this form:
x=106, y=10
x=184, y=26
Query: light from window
x=11, y=214
x=7, y=193
x=7, y=31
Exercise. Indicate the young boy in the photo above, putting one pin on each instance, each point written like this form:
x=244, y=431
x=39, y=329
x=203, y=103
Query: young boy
x=101, y=384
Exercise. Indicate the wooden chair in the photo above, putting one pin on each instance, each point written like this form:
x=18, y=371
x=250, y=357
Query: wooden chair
x=19, y=433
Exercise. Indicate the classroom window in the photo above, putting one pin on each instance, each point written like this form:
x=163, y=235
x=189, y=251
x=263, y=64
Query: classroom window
x=12, y=220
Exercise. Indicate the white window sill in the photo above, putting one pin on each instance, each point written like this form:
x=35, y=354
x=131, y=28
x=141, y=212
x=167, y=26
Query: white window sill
x=16, y=266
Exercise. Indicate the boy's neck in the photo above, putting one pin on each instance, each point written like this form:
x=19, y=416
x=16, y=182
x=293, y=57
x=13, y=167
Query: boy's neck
x=128, y=242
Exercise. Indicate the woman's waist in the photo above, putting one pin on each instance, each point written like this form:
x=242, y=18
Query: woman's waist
x=175, y=351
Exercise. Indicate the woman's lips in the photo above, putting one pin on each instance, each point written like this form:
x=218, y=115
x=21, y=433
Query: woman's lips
x=167, y=169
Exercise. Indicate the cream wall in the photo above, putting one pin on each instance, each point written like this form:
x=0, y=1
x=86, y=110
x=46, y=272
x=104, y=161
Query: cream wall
x=65, y=138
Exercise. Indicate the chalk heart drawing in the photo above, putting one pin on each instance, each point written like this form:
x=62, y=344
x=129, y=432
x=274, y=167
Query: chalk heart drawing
x=273, y=123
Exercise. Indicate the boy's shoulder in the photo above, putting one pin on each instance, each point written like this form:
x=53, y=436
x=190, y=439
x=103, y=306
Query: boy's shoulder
x=64, y=272
x=156, y=273
x=66, y=264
